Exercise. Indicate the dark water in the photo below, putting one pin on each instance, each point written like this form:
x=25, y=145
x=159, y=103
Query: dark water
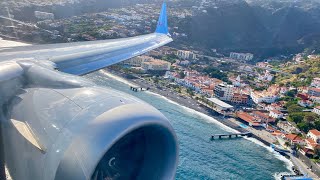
x=201, y=158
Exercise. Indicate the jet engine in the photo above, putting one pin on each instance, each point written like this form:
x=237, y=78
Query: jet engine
x=85, y=133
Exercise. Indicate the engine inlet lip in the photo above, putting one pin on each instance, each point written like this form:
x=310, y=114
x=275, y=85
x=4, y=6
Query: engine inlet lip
x=101, y=134
x=151, y=125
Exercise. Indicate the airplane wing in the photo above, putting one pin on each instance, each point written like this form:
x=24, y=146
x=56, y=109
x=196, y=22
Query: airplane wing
x=61, y=126
x=84, y=57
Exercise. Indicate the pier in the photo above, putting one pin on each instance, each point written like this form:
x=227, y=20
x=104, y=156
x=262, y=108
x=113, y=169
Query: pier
x=136, y=89
x=233, y=135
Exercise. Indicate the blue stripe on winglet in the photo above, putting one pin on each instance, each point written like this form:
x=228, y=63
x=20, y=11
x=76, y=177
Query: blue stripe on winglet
x=162, y=26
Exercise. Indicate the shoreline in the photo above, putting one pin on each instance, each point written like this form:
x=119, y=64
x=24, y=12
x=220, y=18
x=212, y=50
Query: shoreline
x=186, y=102
x=189, y=104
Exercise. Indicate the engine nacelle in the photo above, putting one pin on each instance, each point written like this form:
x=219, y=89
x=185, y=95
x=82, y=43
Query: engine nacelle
x=86, y=133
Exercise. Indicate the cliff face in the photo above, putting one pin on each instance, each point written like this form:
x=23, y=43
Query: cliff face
x=24, y=9
x=266, y=27
x=262, y=27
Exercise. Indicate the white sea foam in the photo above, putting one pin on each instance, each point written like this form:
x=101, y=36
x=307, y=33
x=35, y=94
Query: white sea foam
x=278, y=176
x=192, y=111
x=288, y=163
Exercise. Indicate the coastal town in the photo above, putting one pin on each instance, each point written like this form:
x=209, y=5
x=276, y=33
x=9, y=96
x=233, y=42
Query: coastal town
x=276, y=99
x=285, y=116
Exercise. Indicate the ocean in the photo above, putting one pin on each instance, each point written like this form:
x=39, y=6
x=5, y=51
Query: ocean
x=200, y=158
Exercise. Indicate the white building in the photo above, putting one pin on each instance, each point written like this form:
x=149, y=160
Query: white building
x=298, y=58
x=259, y=97
x=245, y=68
x=237, y=82
x=186, y=55
x=316, y=82
x=288, y=127
x=276, y=114
x=266, y=77
x=315, y=99
x=224, y=91
x=305, y=103
x=241, y=56
x=268, y=96
x=184, y=63
x=314, y=135
x=44, y=15
x=219, y=105
x=316, y=110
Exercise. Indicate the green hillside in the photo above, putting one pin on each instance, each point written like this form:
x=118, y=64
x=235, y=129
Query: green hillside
x=302, y=73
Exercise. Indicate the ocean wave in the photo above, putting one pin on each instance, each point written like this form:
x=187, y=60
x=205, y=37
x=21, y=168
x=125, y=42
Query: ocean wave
x=288, y=163
x=192, y=111
x=278, y=176
x=210, y=119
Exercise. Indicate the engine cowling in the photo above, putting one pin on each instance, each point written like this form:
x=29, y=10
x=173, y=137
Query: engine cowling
x=86, y=133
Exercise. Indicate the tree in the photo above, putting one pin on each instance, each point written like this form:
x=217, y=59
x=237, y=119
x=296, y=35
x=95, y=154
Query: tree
x=317, y=124
x=170, y=58
x=178, y=89
x=190, y=92
x=156, y=80
x=304, y=126
x=310, y=117
x=290, y=93
x=287, y=144
x=296, y=117
x=216, y=73
x=317, y=153
x=294, y=108
x=182, y=75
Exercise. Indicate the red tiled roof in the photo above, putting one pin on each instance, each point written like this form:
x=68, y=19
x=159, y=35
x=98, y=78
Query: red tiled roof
x=307, y=151
x=246, y=117
x=316, y=146
x=258, y=113
x=293, y=137
x=315, y=132
x=310, y=141
x=276, y=133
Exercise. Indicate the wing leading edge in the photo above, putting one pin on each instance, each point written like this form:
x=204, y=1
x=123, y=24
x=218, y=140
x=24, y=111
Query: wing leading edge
x=84, y=57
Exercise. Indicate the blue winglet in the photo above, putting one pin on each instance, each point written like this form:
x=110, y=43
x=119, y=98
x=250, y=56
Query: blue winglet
x=162, y=26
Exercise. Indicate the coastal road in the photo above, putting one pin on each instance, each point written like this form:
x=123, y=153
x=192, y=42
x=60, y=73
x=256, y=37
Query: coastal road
x=265, y=135
x=303, y=167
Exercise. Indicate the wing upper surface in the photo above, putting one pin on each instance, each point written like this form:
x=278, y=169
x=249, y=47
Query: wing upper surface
x=83, y=57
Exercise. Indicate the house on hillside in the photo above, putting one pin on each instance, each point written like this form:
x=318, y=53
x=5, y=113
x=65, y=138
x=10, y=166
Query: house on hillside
x=314, y=134
x=265, y=118
x=315, y=82
x=305, y=103
x=303, y=96
x=314, y=92
x=276, y=114
x=316, y=110
x=315, y=99
x=311, y=144
x=293, y=139
x=288, y=127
